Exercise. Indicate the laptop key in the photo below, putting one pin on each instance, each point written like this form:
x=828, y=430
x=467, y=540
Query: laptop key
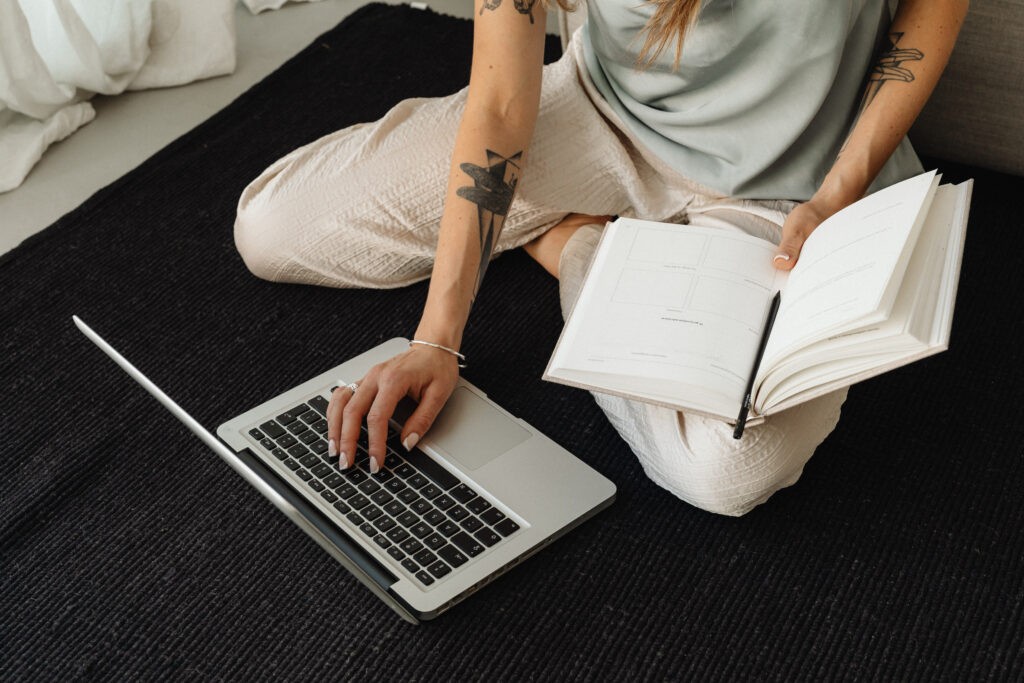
x=368, y=529
x=396, y=552
x=322, y=470
x=285, y=418
x=316, y=485
x=318, y=447
x=298, y=450
x=309, y=438
x=355, y=475
x=279, y=454
x=310, y=416
x=308, y=460
x=458, y=513
x=444, y=502
x=369, y=486
x=342, y=507
x=354, y=518
x=439, y=569
x=329, y=496
x=392, y=461
x=487, y=537
x=420, y=506
x=471, y=524
x=371, y=512
x=435, y=541
x=358, y=501
x=448, y=528
x=452, y=555
x=506, y=527
x=477, y=505
x=319, y=404
x=462, y=493
x=425, y=558
x=320, y=427
x=267, y=443
x=411, y=546
x=382, y=476
x=394, y=508
x=493, y=516
x=297, y=427
x=467, y=544
x=346, y=490
x=404, y=470
x=381, y=497
x=417, y=481
x=291, y=464
x=430, y=492
x=407, y=496
x=256, y=434
x=395, y=485
x=383, y=542
x=435, y=517
x=410, y=566
x=303, y=474
x=424, y=578
x=385, y=523
x=407, y=519
x=287, y=441
x=425, y=464
x=334, y=480
x=420, y=530
x=272, y=429
x=398, y=534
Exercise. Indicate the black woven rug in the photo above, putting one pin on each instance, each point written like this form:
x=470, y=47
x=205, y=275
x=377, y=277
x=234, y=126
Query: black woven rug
x=128, y=550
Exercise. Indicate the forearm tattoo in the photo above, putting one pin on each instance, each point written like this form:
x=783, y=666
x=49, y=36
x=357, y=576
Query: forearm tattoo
x=522, y=6
x=492, y=191
x=888, y=67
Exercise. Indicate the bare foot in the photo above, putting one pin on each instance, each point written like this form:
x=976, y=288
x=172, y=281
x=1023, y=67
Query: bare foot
x=547, y=249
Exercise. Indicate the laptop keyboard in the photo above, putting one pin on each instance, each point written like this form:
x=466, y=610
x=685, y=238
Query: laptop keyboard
x=422, y=515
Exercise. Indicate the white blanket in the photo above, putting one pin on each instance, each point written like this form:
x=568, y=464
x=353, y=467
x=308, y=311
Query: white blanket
x=55, y=54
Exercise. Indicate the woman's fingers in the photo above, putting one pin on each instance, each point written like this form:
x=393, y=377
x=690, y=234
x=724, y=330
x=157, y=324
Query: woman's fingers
x=431, y=402
x=339, y=399
x=352, y=419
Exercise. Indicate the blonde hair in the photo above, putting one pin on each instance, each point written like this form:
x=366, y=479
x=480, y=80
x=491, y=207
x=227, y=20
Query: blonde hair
x=670, y=21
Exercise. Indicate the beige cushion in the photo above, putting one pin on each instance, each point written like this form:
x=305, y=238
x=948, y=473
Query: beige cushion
x=976, y=114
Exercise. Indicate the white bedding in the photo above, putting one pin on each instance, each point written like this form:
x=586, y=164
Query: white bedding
x=56, y=54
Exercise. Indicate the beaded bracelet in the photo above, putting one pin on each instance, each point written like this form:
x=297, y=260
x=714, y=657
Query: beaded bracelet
x=455, y=353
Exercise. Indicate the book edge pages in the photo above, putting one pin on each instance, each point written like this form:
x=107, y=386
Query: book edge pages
x=950, y=272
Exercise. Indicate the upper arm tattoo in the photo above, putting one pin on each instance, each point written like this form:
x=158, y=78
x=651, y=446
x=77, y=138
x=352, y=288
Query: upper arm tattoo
x=492, y=191
x=522, y=6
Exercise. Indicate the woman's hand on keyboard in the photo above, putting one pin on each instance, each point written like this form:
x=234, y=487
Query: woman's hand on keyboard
x=425, y=374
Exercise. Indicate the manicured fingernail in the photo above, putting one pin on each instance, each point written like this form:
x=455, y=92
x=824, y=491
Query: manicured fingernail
x=332, y=448
x=784, y=257
x=411, y=441
x=342, y=461
x=374, y=467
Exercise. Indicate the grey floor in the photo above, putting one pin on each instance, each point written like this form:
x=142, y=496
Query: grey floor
x=130, y=127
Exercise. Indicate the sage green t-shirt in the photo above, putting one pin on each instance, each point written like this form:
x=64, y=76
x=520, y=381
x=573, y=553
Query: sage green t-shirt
x=763, y=98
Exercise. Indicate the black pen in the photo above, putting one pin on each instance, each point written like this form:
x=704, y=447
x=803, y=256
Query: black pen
x=741, y=421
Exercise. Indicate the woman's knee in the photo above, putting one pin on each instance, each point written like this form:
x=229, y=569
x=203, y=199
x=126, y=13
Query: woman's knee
x=697, y=460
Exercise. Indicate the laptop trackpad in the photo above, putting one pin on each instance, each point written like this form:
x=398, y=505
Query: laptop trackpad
x=472, y=431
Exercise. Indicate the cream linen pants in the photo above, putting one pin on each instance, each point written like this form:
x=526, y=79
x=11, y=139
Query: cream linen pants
x=361, y=208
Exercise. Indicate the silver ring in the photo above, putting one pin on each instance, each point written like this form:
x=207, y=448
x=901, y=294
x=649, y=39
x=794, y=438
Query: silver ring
x=352, y=386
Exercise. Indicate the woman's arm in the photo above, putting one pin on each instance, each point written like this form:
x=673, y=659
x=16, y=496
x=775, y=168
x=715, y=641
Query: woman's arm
x=921, y=39
x=487, y=162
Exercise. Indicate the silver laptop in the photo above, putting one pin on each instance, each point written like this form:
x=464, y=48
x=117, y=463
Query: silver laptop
x=482, y=490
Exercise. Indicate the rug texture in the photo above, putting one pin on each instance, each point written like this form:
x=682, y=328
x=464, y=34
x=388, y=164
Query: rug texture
x=129, y=551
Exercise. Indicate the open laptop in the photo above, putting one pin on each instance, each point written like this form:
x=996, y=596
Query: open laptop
x=482, y=490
